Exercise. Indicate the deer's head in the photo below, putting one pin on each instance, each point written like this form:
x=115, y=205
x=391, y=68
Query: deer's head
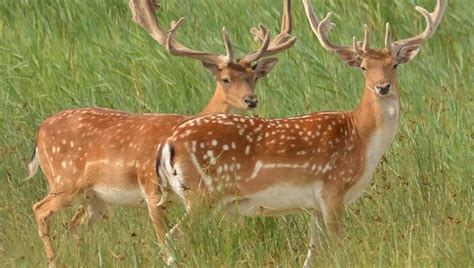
x=378, y=65
x=235, y=79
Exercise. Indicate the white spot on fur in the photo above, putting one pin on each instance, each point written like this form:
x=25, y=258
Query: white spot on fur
x=247, y=149
x=212, y=161
x=259, y=165
x=301, y=153
x=326, y=168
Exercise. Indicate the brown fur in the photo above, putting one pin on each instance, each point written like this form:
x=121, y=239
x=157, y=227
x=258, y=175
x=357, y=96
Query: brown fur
x=221, y=153
x=83, y=148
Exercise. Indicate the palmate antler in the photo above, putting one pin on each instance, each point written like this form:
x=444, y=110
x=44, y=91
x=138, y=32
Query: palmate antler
x=280, y=43
x=143, y=12
x=322, y=28
x=432, y=22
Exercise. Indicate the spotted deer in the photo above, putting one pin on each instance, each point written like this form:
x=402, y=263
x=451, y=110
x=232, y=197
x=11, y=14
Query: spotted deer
x=319, y=162
x=99, y=157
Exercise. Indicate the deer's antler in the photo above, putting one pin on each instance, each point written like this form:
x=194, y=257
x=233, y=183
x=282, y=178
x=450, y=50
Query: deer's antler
x=144, y=14
x=432, y=22
x=280, y=43
x=323, y=27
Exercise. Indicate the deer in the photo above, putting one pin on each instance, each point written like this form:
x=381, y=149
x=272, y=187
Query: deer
x=317, y=163
x=100, y=157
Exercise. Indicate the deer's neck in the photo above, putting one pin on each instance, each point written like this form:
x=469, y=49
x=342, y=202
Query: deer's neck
x=219, y=104
x=376, y=114
x=376, y=123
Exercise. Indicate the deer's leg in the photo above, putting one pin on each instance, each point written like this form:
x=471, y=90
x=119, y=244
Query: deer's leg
x=175, y=233
x=74, y=223
x=97, y=209
x=191, y=200
x=157, y=211
x=158, y=216
x=314, y=238
x=77, y=218
x=43, y=210
x=89, y=213
x=331, y=209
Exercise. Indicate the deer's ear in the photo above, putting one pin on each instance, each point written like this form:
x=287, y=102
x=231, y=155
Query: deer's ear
x=349, y=57
x=406, y=54
x=264, y=67
x=212, y=68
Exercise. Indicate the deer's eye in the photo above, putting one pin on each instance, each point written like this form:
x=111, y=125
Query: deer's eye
x=225, y=81
x=395, y=66
x=363, y=69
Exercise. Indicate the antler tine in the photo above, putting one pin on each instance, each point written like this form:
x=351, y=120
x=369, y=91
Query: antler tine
x=286, y=23
x=282, y=41
x=366, y=43
x=432, y=22
x=256, y=55
x=228, y=47
x=356, y=47
x=285, y=28
x=258, y=35
x=322, y=28
x=144, y=14
x=388, y=37
x=169, y=38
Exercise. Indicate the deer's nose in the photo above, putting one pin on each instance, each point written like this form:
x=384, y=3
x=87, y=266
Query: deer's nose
x=383, y=88
x=251, y=100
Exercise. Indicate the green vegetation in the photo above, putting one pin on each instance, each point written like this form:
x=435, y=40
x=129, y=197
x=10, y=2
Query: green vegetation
x=56, y=55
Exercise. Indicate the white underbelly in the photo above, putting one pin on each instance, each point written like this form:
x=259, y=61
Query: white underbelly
x=120, y=196
x=278, y=200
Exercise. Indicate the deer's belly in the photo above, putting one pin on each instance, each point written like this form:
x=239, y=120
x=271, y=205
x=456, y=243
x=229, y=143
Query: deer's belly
x=278, y=200
x=118, y=196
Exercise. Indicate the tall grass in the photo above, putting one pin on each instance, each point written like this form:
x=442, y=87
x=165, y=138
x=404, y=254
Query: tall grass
x=57, y=54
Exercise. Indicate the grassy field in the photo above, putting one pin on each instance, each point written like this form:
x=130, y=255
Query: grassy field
x=56, y=55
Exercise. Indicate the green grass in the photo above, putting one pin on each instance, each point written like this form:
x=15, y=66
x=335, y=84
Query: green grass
x=56, y=55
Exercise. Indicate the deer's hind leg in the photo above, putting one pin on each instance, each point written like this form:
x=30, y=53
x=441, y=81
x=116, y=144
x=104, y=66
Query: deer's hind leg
x=43, y=211
x=92, y=210
x=157, y=212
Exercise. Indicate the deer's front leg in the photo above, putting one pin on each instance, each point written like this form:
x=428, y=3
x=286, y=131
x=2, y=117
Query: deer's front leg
x=158, y=216
x=332, y=207
x=314, y=239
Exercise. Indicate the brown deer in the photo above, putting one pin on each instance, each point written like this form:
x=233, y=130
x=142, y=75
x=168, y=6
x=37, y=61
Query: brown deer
x=99, y=156
x=318, y=162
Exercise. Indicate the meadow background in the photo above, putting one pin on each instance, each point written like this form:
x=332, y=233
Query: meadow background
x=56, y=55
